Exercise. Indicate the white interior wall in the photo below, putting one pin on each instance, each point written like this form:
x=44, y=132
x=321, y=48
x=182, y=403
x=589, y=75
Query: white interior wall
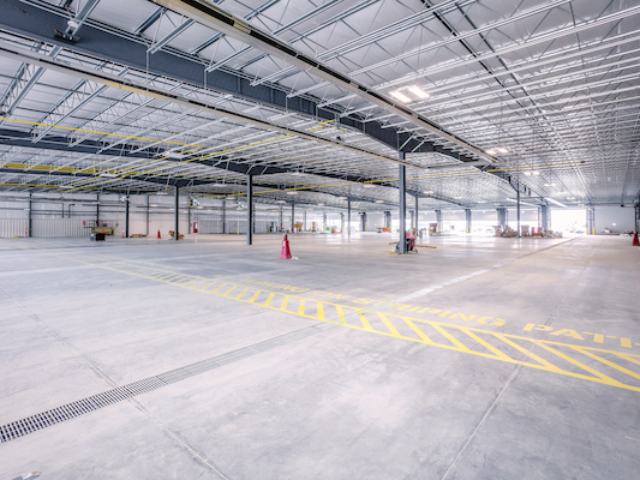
x=615, y=218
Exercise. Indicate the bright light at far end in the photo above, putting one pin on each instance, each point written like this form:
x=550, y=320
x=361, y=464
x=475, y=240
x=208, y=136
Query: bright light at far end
x=400, y=96
x=418, y=92
x=503, y=150
x=490, y=152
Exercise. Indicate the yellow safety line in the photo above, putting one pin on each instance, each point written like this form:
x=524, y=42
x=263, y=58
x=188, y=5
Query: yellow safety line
x=488, y=346
x=609, y=363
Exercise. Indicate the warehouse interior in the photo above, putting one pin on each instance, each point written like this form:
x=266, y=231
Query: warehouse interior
x=332, y=239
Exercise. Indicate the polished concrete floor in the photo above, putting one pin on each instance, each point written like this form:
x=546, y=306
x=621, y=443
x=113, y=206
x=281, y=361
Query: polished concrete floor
x=482, y=358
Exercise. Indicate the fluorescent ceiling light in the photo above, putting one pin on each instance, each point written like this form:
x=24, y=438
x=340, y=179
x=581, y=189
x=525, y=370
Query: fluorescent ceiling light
x=400, y=96
x=418, y=92
x=66, y=186
x=292, y=193
x=368, y=185
x=379, y=201
x=218, y=185
x=556, y=202
x=280, y=201
x=527, y=174
x=490, y=152
x=231, y=197
x=73, y=24
x=549, y=184
x=503, y=150
x=108, y=175
x=571, y=198
x=342, y=198
x=161, y=193
x=536, y=172
x=429, y=192
x=457, y=198
x=169, y=154
x=321, y=204
x=296, y=173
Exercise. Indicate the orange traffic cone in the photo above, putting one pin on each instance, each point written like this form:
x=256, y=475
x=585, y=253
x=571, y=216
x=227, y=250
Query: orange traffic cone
x=159, y=237
x=286, y=252
x=636, y=242
x=123, y=234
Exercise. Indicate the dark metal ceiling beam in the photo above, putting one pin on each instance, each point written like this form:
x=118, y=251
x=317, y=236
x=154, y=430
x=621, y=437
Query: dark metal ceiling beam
x=106, y=42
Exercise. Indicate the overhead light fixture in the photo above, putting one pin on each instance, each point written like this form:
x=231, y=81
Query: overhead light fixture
x=400, y=96
x=65, y=186
x=296, y=173
x=549, y=184
x=502, y=150
x=490, y=152
x=342, y=198
x=379, y=201
x=321, y=204
x=429, y=192
x=218, y=185
x=292, y=193
x=73, y=24
x=280, y=201
x=528, y=174
x=571, y=198
x=170, y=154
x=368, y=185
x=110, y=175
x=536, y=172
x=161, y=193
x=418, y=92
x=556, y=202
x=457, y=198
x=231, y=197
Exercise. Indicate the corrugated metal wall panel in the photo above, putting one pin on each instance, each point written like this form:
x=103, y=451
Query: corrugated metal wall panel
x=13, y=227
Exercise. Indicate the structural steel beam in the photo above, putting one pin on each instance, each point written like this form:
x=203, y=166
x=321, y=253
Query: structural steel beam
x=40, y=20
x=224, y=22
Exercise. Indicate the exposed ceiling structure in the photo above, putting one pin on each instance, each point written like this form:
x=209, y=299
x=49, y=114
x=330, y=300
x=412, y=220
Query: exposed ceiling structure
x=316, y=99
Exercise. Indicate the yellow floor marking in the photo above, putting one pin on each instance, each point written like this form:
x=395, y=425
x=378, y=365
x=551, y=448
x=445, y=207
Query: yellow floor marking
x=340, y=311
x=285, y=302
x=255, y=295
x=239, y=296
x=389, y=325
x=423, y=339
x=420, y=333
x=267, y=303
x=607, y=362
x=520, y=348
x=365, y=322
x=488, y=346
x=301, y=308
x=459, y=345
x=593, y=371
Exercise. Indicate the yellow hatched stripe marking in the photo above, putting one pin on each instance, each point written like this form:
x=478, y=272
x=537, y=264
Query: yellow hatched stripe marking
x=285, y=302
x=609, y=363
x=389, y=325
x=365, y=322
x=267, y=302
x=239, y=296
x=627, y=356
x=488, y=346
x=254, y=296
x=451, y=338
x=520, y=348
x=233, y=287
x=592, y=371
x=341, y=318
x=439, y=326
x=301, y=308
x=420, y=333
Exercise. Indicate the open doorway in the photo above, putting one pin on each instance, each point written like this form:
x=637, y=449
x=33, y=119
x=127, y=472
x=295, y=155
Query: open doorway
x=569, y=221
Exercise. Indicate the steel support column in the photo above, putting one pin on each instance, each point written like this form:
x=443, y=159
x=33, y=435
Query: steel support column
x=293, y=216
x=304, y=220
x=440, y=226
x=281, y=219
x=402, y=244
x=544, y=217
x=349, y=216
x=591, y=221
x=416, y=214
x=176, y=231
x=224, y=215
x=341, y=222
x=518, y=209
x=147, y=217
x=467, y=214
x=126, y=217
x=363, y=222
x=98, y=210
x=30, y=225
x=502, y=217
x=249, y=209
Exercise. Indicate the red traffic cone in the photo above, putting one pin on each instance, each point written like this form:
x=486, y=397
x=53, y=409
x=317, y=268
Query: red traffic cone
x=123, y=234
x=159, y=237
x=286, y=252
x=636, y=242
